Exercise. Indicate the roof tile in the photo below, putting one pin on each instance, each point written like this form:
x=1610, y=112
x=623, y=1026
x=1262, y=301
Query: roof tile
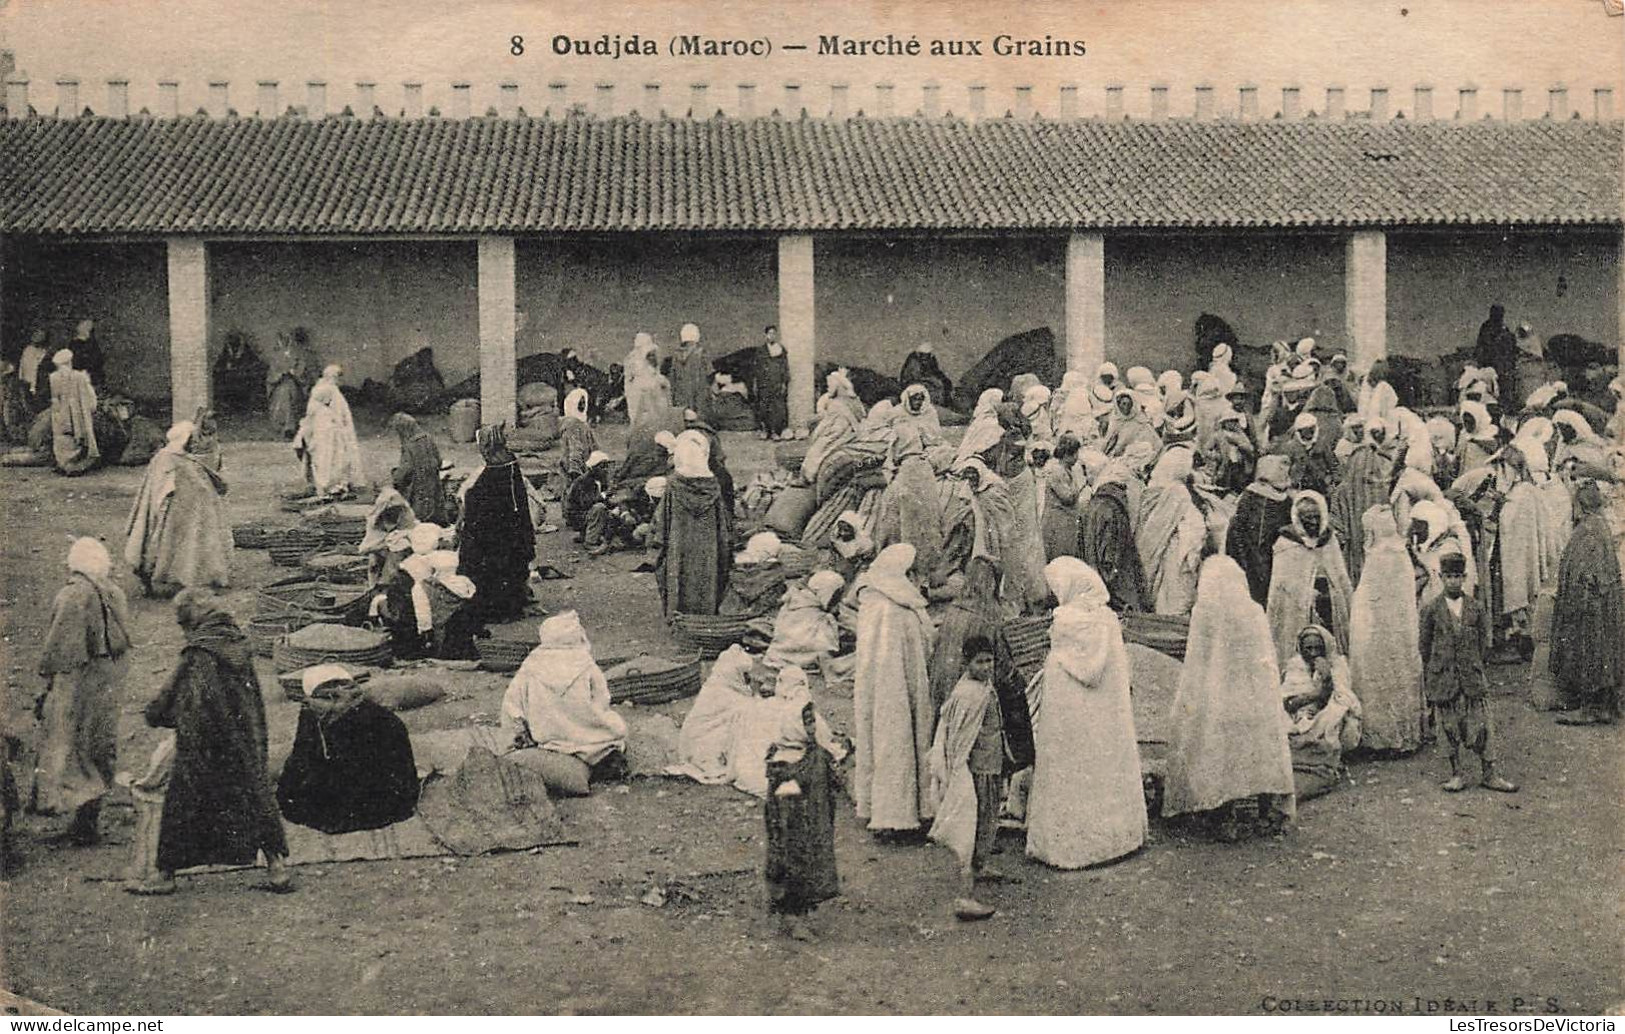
x=89, y=176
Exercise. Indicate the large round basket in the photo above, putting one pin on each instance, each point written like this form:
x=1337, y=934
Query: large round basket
x=499, y=654
x=1164, y=633
x=331, y=644
x=290, y=546
x=709, y=634
x=1028, y=639
x=253, y=535
x=263, y=633
x=313, y=600
x=336, y=568
x=651, y=680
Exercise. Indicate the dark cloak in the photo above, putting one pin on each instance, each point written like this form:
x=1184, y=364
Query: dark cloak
x=1251, y=539
x=1366, y=480
x=770, y=388
x=800, y=867
x=353, y=772
x=1588, y=621
x=1106, y=543
x=219, y=809
x=497, y=542
x=695, y=532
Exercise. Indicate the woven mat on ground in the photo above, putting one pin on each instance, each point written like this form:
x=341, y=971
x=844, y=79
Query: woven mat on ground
x=409, y=839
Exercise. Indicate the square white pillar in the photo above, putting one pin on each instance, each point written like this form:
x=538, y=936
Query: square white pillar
x=797, y=330
x=1365, y=290
x=188, y=326
x=1085, y=301
x=499, y=371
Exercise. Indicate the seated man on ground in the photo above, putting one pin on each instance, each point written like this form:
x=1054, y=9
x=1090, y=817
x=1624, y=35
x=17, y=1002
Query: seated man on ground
x=586, y=492
x=559, y=701
x=1323, y=711
x=351, y=767
x=806, y=632
x=425, y=605
x=756, y=584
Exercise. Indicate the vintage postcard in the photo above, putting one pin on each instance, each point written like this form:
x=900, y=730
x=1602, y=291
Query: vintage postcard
x=882, y=508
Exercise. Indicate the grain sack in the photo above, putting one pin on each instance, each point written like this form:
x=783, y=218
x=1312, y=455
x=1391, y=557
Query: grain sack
x=564, y=775
x=404, y=692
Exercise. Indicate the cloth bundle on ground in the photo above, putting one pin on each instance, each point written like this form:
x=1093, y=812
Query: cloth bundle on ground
x=1032, y=351
x=415, y=385
x=479, y=795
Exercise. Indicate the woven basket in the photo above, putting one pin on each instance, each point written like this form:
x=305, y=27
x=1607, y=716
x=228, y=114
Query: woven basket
x=674, y=680
x=498, y=654
x=336, y=568
x=1161, y=632
x=253, y=536
x=709, y=634
x=263, y=633
x=1028, y=639
x=301, y=597
x=321, y=644
x=291, y=545
x=290, y=658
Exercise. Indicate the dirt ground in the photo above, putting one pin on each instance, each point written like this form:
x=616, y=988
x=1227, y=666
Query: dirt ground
x=1386, y=895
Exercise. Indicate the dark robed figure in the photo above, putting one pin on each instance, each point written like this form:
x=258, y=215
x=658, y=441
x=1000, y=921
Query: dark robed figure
x=417, y=477
x=498, y=536
x=352, y=766
x=219, y=809
x=1588, y=623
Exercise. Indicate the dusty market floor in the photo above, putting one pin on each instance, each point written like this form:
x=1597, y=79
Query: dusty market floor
x=1388, y=890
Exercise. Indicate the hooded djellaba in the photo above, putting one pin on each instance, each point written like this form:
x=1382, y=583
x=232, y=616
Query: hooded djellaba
x=417, y=476
x=1087, y=803
x=1171, y=536
x=497, y=534
x=326, y=441
x=220, y=808
x=559, y=699
x=1106, y=532
x=83, y=661
x=1588, y=621
x=1384, y=655
x=73, y=408
x=694, y=531
x=177, y=535
x=893, y=717
x=1309, y=582
x=1228, y=747
x=1263, y=511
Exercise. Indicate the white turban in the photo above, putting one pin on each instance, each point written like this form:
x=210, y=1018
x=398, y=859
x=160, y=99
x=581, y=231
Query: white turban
x=63, y=358
x=318, y=675
x=89, y=557
x=596, y=458
x=690, y=333
x=655, y=487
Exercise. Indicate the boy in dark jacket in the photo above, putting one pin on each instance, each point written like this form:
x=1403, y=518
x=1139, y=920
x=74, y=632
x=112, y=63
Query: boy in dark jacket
x=1454, y=639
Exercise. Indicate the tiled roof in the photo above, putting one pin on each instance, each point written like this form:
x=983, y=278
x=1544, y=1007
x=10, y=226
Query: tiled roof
x=91, y=176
